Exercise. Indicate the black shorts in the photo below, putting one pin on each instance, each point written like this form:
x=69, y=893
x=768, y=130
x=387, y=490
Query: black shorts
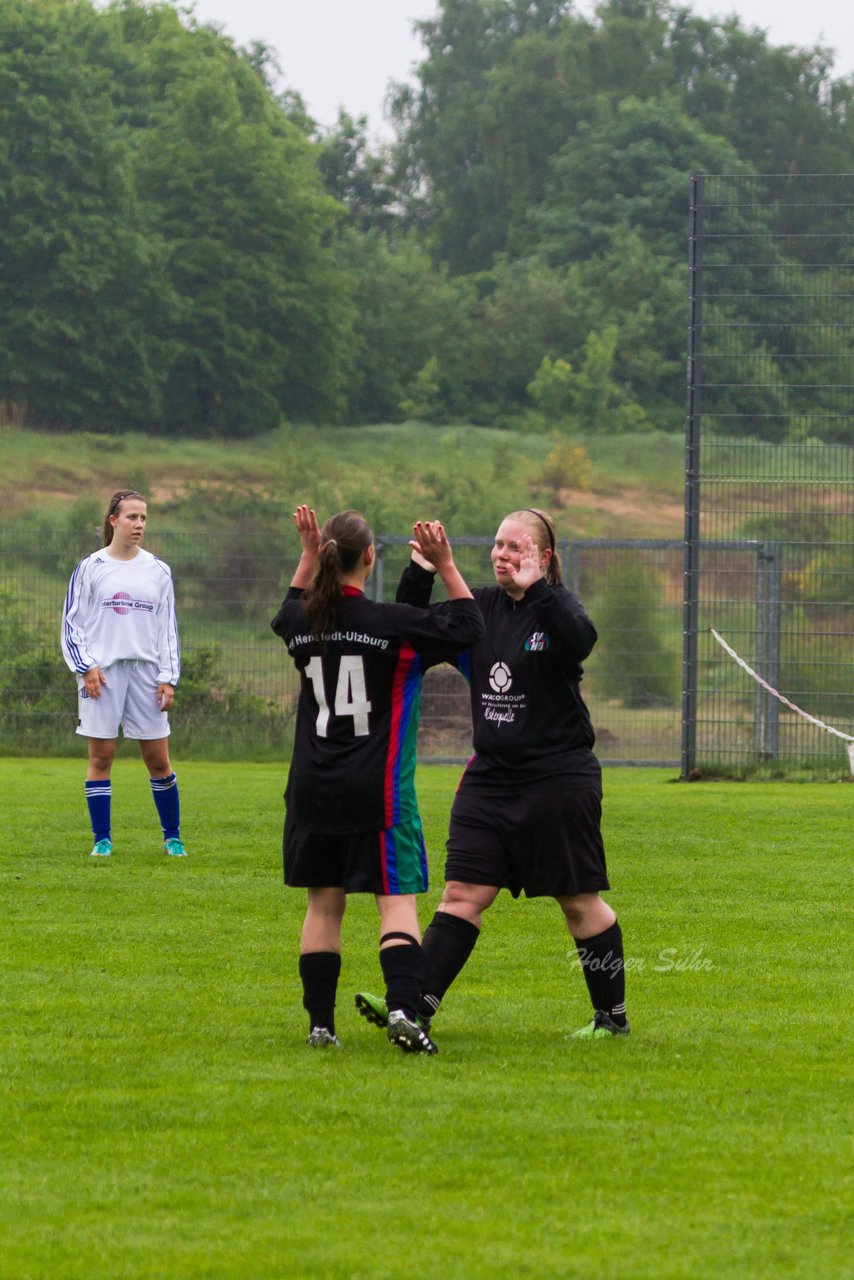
x=544, y=840
x=389, y=862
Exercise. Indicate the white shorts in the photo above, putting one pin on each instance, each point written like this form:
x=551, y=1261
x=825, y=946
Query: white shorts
x=129, y=699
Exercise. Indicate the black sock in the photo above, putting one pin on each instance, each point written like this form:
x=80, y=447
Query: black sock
x=403, y=970
x=319, y=972
x=604, y=970
x=448, y=943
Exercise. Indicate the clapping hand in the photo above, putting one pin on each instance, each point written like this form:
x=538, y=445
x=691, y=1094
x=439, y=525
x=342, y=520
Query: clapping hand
x=430, y=546
x=307, y=528
x=529, y=564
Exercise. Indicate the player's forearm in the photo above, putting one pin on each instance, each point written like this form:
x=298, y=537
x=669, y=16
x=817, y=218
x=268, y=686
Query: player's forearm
x=304, y=572
x=76, y=653
x=454, y=582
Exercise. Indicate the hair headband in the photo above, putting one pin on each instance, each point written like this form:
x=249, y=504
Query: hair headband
x=119, y=499
x=545, y=522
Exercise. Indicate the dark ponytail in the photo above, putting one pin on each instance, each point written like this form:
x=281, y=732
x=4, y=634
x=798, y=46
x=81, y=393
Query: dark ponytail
x=344, y=539
x=112, y=510
x=543, y=532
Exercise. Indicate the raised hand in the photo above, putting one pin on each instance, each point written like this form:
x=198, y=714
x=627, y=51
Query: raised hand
x=529, y=564
x=307, y=528
x=430, y=545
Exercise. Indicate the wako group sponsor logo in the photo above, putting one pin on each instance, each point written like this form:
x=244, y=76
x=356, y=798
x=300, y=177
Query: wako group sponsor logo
x=500, y=677
x=537, y=642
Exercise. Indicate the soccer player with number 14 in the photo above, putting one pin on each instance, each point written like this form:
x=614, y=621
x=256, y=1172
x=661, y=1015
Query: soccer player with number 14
x=352, y=822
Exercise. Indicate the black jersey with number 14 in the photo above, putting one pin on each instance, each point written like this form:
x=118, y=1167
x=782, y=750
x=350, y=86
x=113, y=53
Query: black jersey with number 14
x=353, y=766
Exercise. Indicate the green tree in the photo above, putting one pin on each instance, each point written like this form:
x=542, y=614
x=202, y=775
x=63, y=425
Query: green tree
x=640, y=290
x=552, y=389
x=229, y=186
x=587, y=398
x=423, y=400
x=83, y=290
x=444, y=154
x=521, y=312
x=504, y=85
x=594, y=392
x=358, y=178
x=407, y=314
x=161, y=216
x=627, y=166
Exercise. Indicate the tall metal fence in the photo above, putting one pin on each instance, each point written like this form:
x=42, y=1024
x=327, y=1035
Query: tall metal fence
x=770, y=458
x=237, y=694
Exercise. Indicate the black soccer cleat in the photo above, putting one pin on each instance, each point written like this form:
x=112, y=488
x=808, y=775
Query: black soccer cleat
x=375, y=1010
x=406, y=1033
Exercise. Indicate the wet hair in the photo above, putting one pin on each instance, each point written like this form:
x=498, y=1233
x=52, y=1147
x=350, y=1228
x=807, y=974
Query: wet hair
x=543, y=533
x=112, y=510
x=344, y=539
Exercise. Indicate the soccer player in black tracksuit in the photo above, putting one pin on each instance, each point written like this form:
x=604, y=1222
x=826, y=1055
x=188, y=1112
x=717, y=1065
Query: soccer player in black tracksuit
x=352, y=822
x=527, y=813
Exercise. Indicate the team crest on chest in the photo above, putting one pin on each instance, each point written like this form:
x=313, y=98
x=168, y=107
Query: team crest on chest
x=537, y=642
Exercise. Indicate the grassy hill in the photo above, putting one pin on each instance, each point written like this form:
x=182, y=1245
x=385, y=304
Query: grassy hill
x=620, y=486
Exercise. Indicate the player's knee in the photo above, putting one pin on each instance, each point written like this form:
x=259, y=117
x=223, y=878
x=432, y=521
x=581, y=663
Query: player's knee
x=330, y=902
x=467, y=900
x=101, y=758
x=586, y=913
x=156, y=759
x=575, y=914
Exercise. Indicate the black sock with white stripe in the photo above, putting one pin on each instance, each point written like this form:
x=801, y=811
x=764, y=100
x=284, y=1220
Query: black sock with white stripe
x=605, y=972
x=448, y=943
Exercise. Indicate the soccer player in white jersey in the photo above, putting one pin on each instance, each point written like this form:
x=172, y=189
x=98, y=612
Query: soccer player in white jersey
x=120, y=638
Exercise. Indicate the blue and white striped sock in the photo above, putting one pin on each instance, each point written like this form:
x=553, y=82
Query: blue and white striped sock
x=165, y=792
x=98, y=797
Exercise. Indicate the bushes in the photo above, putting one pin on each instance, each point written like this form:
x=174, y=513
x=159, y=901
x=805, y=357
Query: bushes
x=214, y=718
x=632, y=661
x=220, y=721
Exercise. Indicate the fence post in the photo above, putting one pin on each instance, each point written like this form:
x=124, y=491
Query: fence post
x=574, y=558
x=690, y=598
x=768, y=610
x=379, y=574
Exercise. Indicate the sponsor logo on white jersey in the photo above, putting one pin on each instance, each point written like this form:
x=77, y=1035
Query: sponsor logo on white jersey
x=120, y=602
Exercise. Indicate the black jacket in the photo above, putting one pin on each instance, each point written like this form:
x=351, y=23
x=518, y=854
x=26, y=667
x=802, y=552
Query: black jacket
x=528, y=717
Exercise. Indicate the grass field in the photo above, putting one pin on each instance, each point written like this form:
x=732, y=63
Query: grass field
x=162, y=1116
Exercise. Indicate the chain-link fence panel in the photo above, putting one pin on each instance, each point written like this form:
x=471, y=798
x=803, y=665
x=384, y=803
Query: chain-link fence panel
x=237, y=695
x=770, y=459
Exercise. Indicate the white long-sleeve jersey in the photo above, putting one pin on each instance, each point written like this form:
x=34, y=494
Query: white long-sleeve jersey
x=121, y=609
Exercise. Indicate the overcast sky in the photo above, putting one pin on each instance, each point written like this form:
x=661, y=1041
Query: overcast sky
x=345, y=52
